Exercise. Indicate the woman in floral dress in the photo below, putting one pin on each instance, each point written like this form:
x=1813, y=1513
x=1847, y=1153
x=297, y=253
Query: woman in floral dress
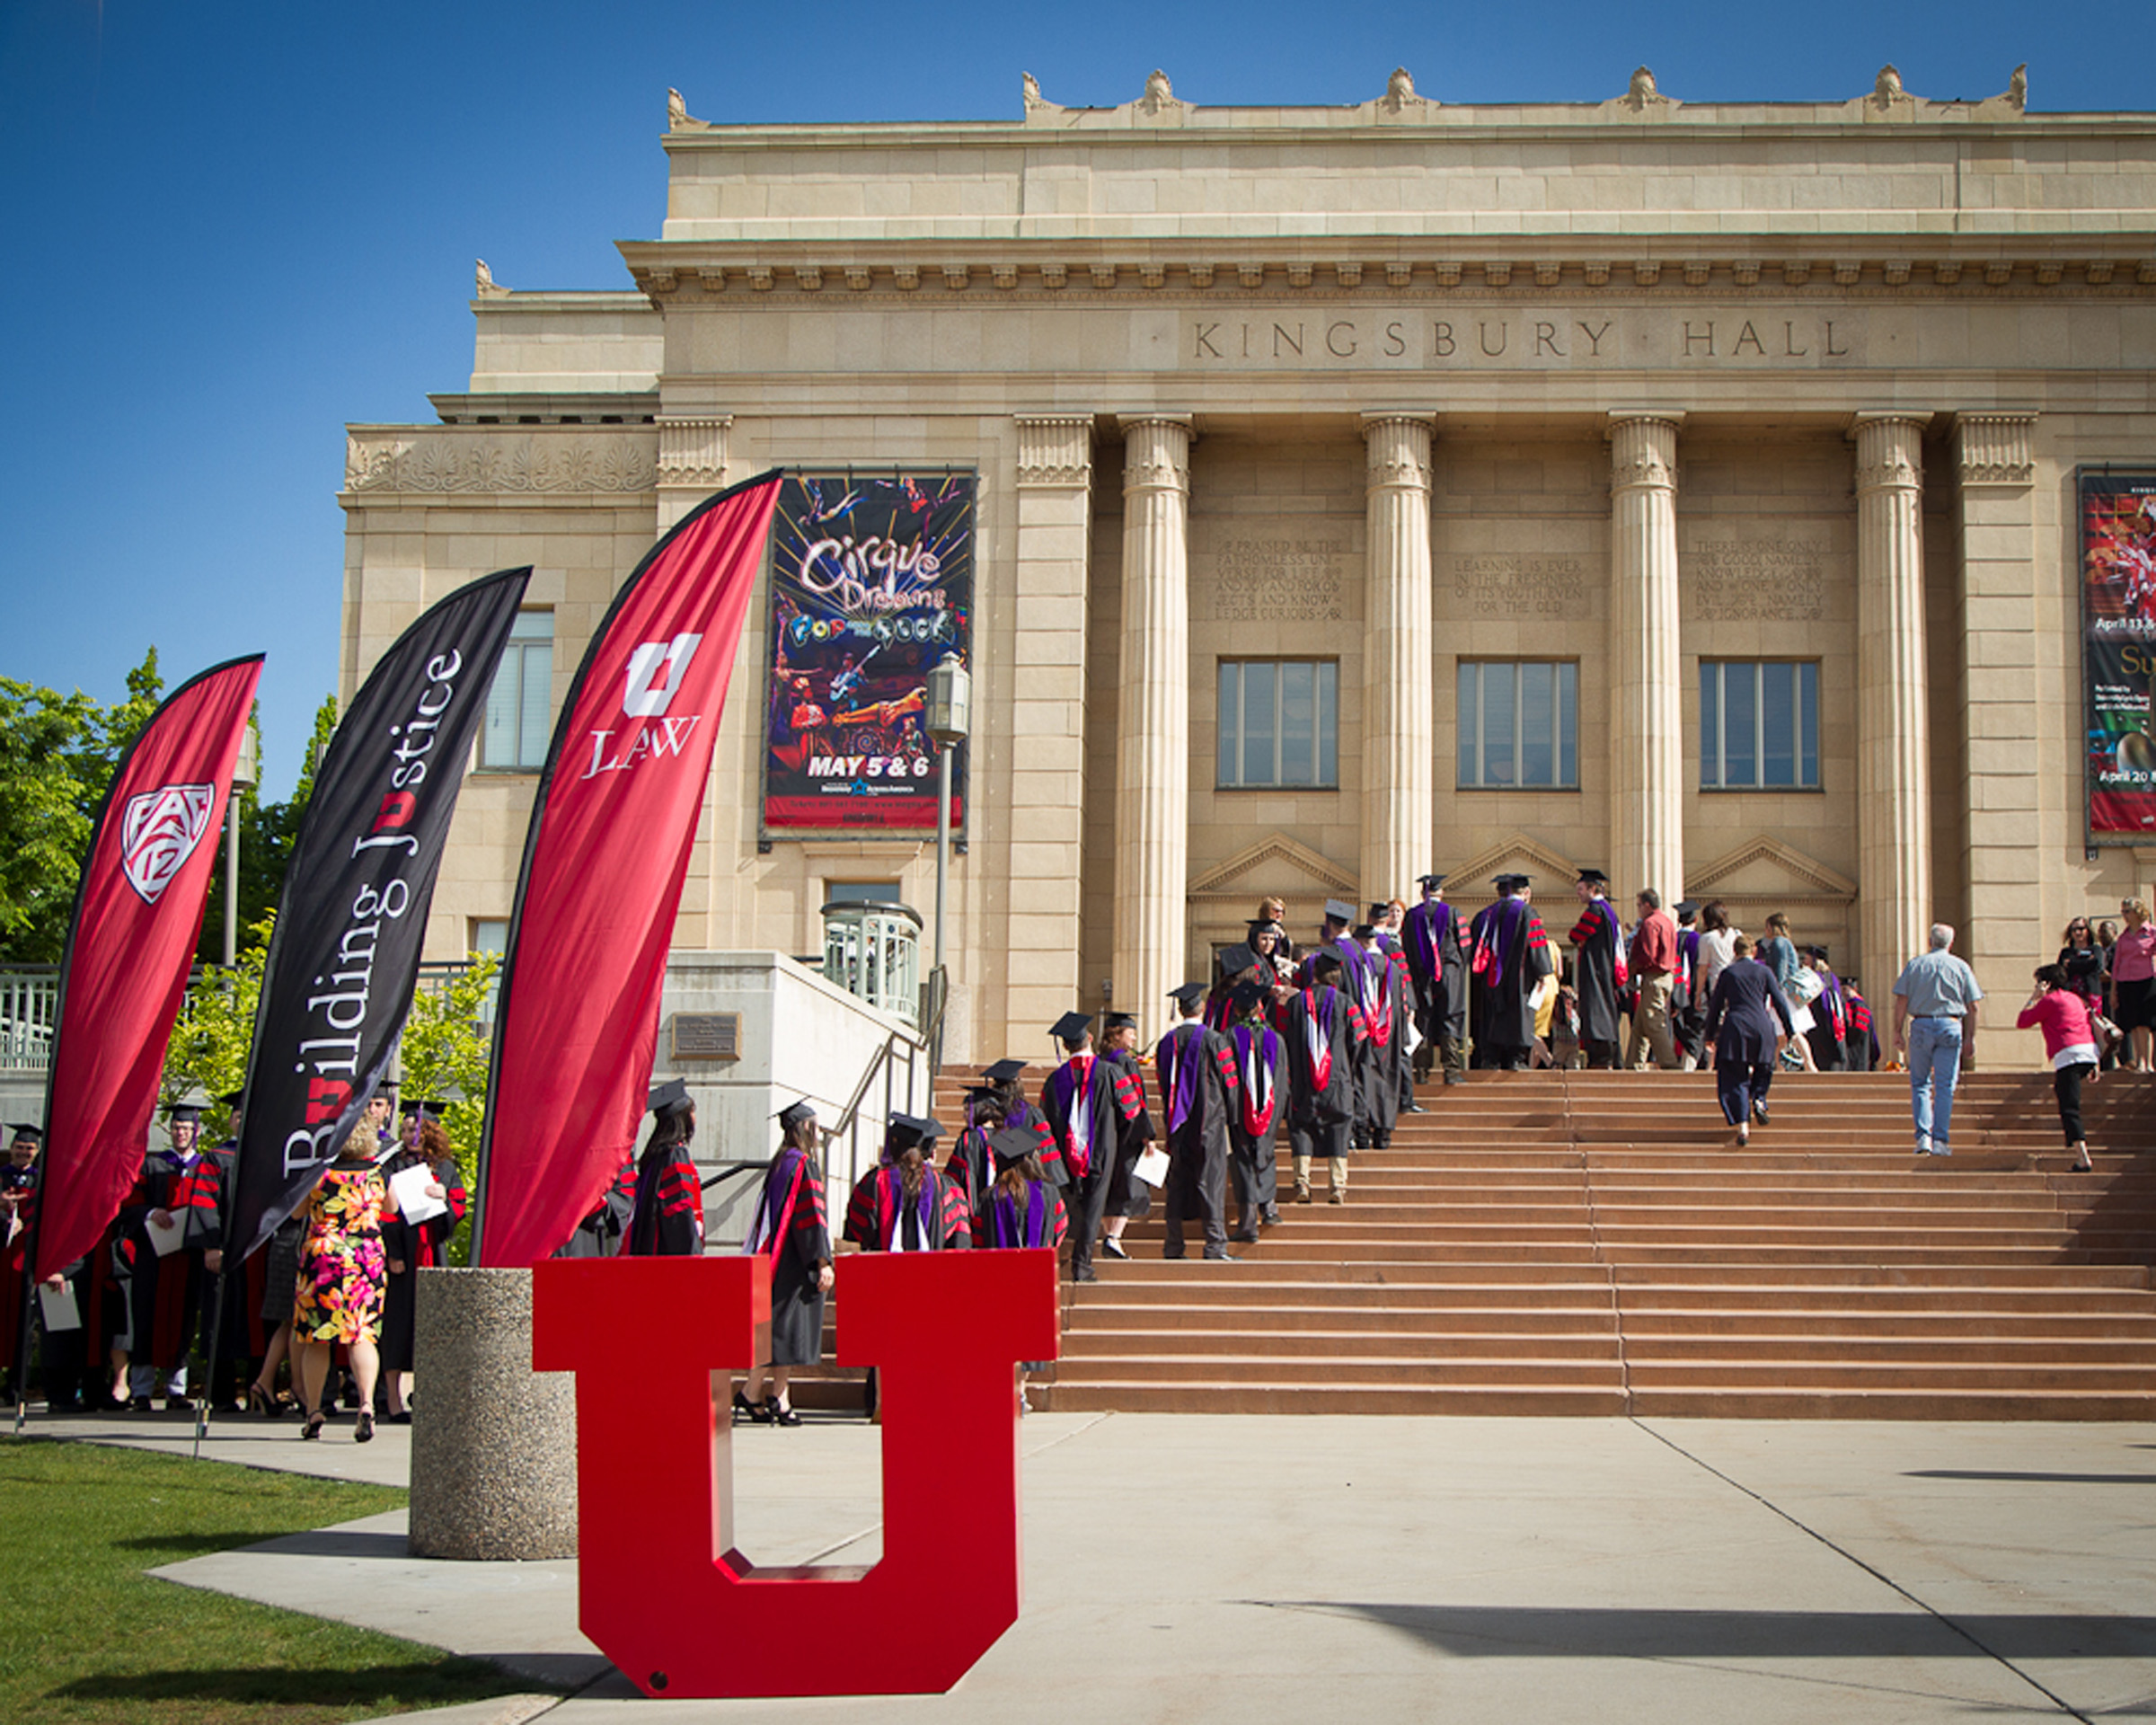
x=343, y=1273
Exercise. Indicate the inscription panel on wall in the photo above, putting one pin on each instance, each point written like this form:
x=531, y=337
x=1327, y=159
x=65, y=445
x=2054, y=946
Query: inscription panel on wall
x=1728, y=578
x=1292, y=575
x=1505, y=584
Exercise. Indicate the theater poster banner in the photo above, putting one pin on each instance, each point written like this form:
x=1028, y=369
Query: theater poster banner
x=872, y=583
x=2118, y=652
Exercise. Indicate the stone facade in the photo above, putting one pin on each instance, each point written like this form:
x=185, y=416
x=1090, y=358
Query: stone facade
x=1392, y=387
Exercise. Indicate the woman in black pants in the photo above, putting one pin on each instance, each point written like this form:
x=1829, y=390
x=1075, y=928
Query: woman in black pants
x=2059, y=1010
x=1742, y=1016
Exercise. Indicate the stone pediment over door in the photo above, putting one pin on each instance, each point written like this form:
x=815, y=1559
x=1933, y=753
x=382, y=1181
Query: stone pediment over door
x=1224, y=897
x=1763, y=875
x=1467, y=882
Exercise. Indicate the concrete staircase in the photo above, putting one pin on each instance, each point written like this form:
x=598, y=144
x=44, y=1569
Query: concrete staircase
x=1587, y=1243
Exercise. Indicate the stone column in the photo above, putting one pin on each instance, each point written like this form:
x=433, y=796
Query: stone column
x=1646, y=701
x=2012, y=704
x=1039, y=966
x=1894, y=778
x=1152, y=746
x=691, y=463
x=1398, y=781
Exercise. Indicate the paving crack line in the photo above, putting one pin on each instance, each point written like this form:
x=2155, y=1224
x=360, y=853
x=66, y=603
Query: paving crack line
x=1876, y=1574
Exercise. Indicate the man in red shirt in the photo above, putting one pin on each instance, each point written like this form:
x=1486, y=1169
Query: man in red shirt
x=1653, y=964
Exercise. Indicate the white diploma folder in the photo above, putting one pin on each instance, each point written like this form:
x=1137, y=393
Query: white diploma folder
x=58, y=1307
x=167, y=1239
x=410, y=1190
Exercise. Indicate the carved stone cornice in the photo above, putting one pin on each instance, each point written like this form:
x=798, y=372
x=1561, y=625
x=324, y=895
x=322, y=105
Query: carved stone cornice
x=1889, y=450
x=1994, y=448
x=1156, y=453
x=692, y=450
x=1397, y=448
x=472, y=460
x=1643, y=448
x=1055, y=449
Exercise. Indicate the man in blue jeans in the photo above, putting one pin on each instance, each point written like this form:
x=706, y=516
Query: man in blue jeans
x=1935, y=1022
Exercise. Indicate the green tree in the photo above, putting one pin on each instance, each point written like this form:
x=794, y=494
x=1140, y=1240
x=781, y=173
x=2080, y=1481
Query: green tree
x=269, y=832
x=215, y=1027
x=444, y=1054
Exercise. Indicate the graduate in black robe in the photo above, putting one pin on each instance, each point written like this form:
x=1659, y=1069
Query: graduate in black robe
x=1255, y=1116
x=665, y=1216
x=599, y=1234
x=1508, y=955
x=1129, y=1198
x=793, y=1231
x=1320, y=1030
x=1686, y=1013
x=179, y=1189
x=1433, y=939
x=1195, y=1070
x=1598, y=974
x=18, y=1208
x=1086, y=1100
x=1382, y=1056
x=1021, y=1211
x=972, y=1163
x=1005, y=1075
x=411, y=1246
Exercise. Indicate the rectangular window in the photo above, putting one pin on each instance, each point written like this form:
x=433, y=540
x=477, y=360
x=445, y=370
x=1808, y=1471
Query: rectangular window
x=1519, y=724
x=862, y=892
x=1759, y=724
x=516, y=733
x=1279, y=722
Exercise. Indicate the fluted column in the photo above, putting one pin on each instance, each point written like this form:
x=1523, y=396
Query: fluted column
x=1398, y=781
x=1038, y=968
x=1894, y=780
x=1646, y=699
x=1153, y=752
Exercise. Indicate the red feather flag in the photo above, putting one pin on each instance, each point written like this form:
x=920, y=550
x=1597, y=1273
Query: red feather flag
x=603, y=868
x=137, y=913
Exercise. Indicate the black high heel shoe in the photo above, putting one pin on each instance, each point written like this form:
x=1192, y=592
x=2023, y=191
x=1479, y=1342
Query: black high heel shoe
x=744, y=1409
x=363, y=1432
x=759, y=1412
x=312, y=1428
x=779, y=1415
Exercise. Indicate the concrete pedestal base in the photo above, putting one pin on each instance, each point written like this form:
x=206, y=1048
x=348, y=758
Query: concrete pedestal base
x=494, y=1444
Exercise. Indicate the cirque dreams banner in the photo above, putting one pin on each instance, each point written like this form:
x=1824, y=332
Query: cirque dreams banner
x=604, y=861
x=345, y=955
x=137, y=911
x=872, y=583
x=2118, y=652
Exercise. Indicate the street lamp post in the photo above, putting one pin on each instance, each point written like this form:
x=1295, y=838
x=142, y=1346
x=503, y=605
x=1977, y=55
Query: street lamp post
x=245, y=773
x=950, y=720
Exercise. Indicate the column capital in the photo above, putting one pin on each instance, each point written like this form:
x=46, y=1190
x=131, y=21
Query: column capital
x=1156, y=452
x=1398, y=449
x=693, y=449
x=1672, y=417
x=1994, y=448
x=1643, y=450
x=1889, y=451
x=1055, y=449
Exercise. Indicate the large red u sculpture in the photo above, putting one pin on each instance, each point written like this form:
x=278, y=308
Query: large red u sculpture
x=662, y=1593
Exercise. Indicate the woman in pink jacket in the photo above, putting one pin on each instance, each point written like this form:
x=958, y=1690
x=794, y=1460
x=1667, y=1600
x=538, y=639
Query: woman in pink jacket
x=2070, y=1041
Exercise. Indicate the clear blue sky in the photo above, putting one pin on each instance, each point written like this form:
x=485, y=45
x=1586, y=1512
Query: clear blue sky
x=229, y=228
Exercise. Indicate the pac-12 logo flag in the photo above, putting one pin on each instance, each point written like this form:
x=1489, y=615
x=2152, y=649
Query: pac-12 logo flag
x=603, y=865
x=136, y=916
x=338, y=983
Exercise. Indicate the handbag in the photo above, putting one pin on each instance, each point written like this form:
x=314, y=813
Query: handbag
x=2108, y=1036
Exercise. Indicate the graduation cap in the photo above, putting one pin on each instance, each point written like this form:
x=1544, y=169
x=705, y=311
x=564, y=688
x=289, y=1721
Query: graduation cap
x=1003, y=1072
x=1363, y=932
x=794, y=1115
x=1259, y=926
x=1594, y=878
x=26, y=1133
x=1187, y=996
x=1071, y=1027
x=189, y=1106
x=429, y=1108
x=1380, y=911
x=668, y=1098
x=1432, y=881
x=1246, y=995
x=1687, y=908
x=233, y=1098
x=1337, y=911
x=1236, y=959
x=1506, y=882
x=1324, y=962
x=1818, y=952
x=904, y=1131
x=1012, y=1145
x=1120, y=1021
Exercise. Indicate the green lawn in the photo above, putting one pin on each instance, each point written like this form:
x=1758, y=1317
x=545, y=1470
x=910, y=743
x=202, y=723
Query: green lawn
x=85, y=1635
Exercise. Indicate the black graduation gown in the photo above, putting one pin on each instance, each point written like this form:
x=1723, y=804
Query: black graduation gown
x=1130, y=1196
x=599, y=1234
x=665, y=1217
x=1381, y=1060
x=1596, y=949
x=163, y=1295
x=799, y=1245
x=1434, y=939
x=1508, y=954
x=1321, y=1033
x=1254, y=1118
x=1199, y=1063
x=1086, y=1125
x=417, y=1245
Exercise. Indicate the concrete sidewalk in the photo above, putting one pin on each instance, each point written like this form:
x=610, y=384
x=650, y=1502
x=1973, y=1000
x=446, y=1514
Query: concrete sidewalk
x=1185, y=1567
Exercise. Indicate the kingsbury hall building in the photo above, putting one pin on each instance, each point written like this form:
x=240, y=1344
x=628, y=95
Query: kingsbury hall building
x=1752, y=500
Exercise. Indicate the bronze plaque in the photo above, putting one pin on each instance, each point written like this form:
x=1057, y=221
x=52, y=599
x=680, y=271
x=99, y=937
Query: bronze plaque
x=707, y=1035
